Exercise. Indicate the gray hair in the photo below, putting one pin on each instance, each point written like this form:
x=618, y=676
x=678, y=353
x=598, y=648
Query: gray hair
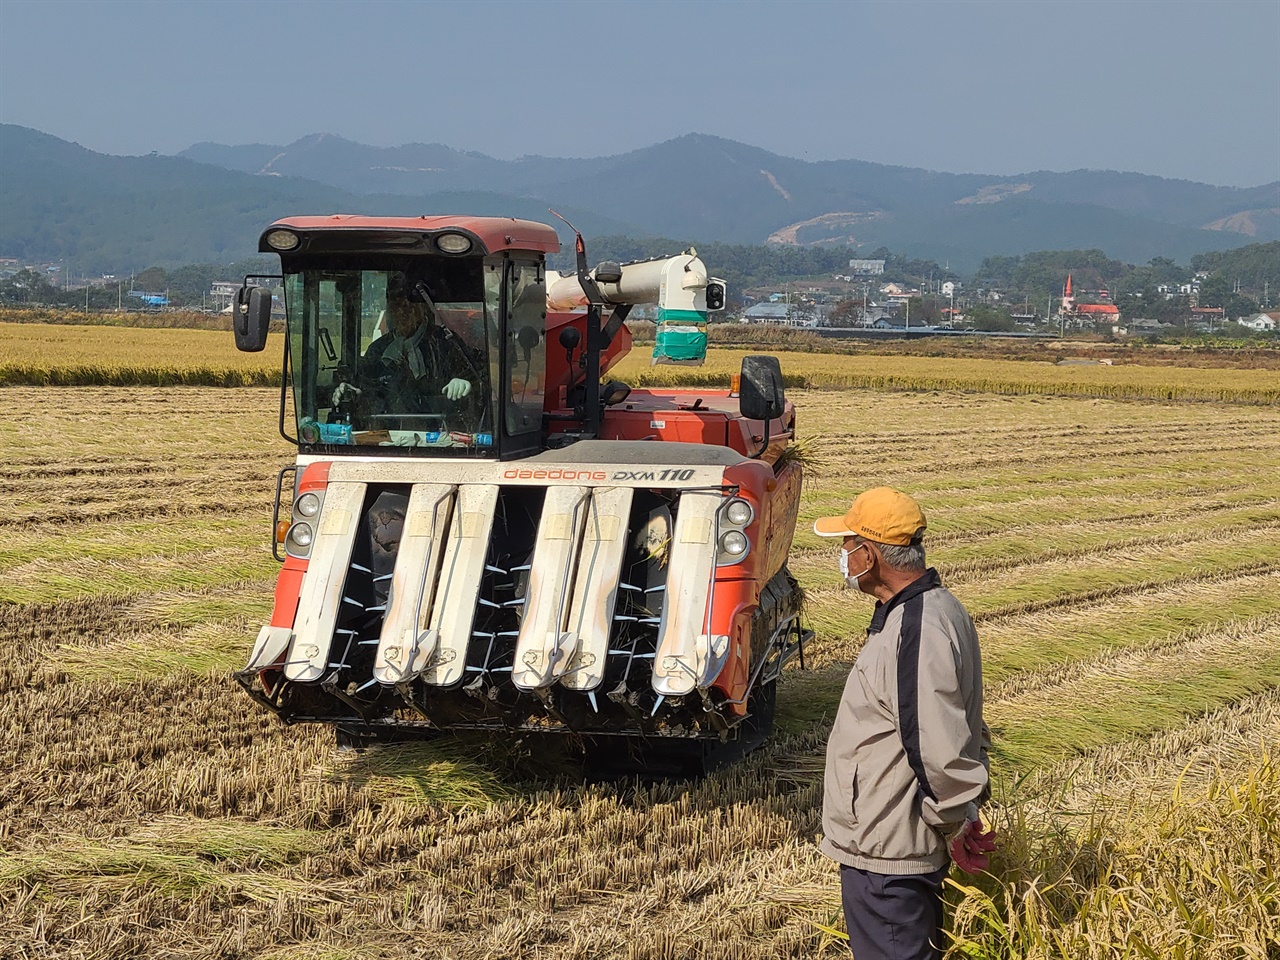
x=909, y=558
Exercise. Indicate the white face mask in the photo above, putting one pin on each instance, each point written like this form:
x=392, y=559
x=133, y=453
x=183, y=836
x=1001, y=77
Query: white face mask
x=850, y=580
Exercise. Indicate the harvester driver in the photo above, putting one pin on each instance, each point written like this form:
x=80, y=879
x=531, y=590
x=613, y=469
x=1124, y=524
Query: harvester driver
x=419, y=366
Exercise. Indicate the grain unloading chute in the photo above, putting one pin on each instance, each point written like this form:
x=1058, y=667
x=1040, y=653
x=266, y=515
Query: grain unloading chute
x=678, y=286
x=481, y=534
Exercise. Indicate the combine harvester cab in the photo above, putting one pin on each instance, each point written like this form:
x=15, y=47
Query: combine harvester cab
x=484, y=534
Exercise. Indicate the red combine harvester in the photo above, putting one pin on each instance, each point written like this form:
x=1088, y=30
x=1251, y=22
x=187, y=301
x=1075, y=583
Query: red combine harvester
x=485, y=534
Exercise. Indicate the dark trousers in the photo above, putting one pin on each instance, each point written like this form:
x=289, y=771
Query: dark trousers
x=891, y=917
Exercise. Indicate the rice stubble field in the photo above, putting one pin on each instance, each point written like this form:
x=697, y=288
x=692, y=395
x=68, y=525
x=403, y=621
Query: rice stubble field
x=1121, y=558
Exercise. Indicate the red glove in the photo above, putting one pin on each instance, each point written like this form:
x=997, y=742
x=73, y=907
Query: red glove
x=970, y=845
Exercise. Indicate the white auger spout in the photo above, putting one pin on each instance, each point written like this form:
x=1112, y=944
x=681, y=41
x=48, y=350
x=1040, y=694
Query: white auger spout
x=679, y=286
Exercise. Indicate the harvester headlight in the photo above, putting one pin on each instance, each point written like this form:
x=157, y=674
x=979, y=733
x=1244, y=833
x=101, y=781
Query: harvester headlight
x=453, y=242
x=282, y=240
x=739, y=513
x=301, y=535
x=308, y=505
x=734, y=543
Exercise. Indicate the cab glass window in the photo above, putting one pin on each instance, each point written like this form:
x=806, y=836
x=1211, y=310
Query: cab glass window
x=394, y=353
x=525, y=355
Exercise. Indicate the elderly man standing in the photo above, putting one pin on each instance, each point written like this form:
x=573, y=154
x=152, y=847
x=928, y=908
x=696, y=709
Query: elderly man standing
x=907, y=758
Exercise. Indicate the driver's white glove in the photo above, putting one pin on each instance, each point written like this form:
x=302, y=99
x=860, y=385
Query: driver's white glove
x=345, y=391
x=457, y=388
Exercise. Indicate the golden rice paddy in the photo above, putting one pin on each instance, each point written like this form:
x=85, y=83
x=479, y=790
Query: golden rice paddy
x=67, y=355
x=1121, y=558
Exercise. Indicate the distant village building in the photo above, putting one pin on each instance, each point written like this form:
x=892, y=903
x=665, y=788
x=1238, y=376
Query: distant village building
x=877, y=311
x=1098, y=311
x=1083, y=313
x=1262, y=322
x=1141, y=325
x=866, y=268
x=1171, y=290
x=1207, y=313
x=897, y=292
x=769, y=311
x=778, y=313
x=221, y=293
x=150, y=298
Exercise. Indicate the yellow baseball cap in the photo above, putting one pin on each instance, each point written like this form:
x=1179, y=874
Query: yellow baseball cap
x=882, y=514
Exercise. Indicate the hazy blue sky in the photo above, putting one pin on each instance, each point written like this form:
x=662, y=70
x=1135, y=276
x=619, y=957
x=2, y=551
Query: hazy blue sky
x=1180, y=89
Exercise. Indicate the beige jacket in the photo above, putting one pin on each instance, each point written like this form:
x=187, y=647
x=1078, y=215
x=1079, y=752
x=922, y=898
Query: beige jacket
x=907, y=757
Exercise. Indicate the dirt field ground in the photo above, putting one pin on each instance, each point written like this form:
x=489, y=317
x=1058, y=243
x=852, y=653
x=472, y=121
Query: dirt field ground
x=1122, y=559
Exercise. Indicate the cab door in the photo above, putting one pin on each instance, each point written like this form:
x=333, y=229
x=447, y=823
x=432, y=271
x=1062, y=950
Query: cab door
x=522, y=377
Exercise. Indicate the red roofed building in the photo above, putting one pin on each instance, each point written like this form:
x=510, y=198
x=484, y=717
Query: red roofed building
x=1084, y=313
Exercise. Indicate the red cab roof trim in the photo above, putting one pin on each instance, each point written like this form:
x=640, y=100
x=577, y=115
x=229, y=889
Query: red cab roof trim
x=494, y=233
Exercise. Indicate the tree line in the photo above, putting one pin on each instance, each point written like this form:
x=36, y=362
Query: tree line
x=185, y=286
x=1240, y=280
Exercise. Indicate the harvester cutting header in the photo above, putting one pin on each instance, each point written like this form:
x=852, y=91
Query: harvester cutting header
x=484, y=531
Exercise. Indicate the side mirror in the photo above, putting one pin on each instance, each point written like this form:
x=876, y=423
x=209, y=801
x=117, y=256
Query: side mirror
x=761, y=395
x=251, y=318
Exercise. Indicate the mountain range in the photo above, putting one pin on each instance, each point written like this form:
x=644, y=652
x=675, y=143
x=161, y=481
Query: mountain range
x=61, y=201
